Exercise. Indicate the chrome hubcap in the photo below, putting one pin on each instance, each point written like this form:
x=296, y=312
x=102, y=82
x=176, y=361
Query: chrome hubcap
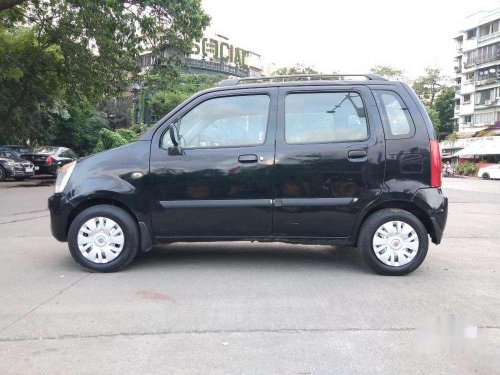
x=100, y=240
x=395, y=243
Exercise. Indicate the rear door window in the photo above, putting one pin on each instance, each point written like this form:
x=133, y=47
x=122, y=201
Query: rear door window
x=395, y=115
x=324, y=117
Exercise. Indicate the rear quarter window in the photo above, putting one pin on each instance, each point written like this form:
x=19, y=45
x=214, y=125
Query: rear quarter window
x=395, y=115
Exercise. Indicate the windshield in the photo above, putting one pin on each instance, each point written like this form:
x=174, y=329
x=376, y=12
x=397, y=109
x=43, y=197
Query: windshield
x=8, y=154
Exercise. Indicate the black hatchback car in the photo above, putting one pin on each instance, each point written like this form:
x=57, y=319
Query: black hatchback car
x=336, y=159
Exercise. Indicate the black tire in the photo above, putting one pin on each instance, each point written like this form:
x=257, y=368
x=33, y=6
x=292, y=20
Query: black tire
x=486, y=176
x=3, y=174
x=371, y=225
x=130, y=230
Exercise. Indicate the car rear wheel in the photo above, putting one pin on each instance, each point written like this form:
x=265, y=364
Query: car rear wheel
x=103, y=238
x=486, y=176
x=393, y=242
x=3, y=174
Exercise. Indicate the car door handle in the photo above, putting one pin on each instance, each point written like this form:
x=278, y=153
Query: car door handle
x=357, y=155
x=248, y=158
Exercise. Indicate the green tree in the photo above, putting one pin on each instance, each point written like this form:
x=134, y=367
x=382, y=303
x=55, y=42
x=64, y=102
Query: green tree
x=31, y=86
x=444, y=107
x=162, y=94
x=388, y=72
x=297, y=69
x=428, y=86
x=97, y=45
x=434, y=116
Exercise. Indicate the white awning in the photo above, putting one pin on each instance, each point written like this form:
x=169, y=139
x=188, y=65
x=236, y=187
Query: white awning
x=489, y=146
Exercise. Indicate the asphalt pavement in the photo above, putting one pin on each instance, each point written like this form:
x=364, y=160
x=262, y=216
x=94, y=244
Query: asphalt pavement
x=248, y=307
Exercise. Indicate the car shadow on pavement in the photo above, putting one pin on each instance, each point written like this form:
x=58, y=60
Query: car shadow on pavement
x=35, y=181
x=252, y=254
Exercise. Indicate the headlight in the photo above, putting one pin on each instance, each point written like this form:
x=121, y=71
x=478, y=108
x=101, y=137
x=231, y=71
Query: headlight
x=63, y=176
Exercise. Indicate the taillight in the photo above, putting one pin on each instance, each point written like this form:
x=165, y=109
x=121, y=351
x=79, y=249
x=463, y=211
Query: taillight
x=435, y=164
x=49, y=160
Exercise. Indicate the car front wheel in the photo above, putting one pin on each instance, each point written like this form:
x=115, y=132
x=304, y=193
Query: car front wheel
x=103, y=238
x=393, y=242
x=486, y=176
x=3, y=174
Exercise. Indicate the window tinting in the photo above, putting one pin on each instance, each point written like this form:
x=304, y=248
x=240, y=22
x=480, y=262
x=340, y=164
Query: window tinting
x=324, y=117
x=224, y=122
x=395, y=116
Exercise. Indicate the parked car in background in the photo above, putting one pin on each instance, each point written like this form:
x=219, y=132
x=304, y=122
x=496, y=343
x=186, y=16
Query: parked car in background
x=47, y=159
x=12, y=165
x=490, y=172
x=18, y=148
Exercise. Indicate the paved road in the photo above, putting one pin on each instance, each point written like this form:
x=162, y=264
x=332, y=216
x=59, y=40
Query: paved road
x=250, y=308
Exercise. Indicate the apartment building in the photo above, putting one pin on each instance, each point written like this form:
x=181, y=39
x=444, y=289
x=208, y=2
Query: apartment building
x=477, y=81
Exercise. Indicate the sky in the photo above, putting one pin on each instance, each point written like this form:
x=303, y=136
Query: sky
x=349, y=36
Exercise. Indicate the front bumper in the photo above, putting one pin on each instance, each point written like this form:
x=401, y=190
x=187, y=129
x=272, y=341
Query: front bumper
x=435, y=205
x=14, y=171
x=60, y=209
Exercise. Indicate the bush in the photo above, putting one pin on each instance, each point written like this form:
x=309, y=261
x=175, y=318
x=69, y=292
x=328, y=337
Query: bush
x=110, y=139
x=467, y=169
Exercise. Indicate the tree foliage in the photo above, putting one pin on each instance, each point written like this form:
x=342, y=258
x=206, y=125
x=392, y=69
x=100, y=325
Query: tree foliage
x=429, y=85
x=389, y=72
x=163, y=95
x=444, y=107
x=84, y=50
x=296, y=69
x=30, y=81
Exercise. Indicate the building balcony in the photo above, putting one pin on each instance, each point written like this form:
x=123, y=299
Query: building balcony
x=487, y=81
x=458, y=69
x=488, y=104
x=217, y=67
x=489, y=36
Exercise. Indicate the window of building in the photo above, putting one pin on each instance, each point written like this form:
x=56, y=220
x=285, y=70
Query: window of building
x=486, y=118
x=488, y=53
x=469, y=76
x=395, y=117
x=231, y=121
x=471, y=33
x=489, y=73
x=466, y=99
x=468, y=119
x=488, y=28
x=485, y=97
x=325, y=117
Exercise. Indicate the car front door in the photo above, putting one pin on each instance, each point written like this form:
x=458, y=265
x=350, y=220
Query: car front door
x=218, y=182
x=329, y=160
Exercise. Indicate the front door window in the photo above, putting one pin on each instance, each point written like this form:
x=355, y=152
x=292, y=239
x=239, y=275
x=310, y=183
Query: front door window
x=234, y=121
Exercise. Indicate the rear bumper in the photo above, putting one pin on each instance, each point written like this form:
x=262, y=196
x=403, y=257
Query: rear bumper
x=435, y=205
x=60, y=209
x=46, y=169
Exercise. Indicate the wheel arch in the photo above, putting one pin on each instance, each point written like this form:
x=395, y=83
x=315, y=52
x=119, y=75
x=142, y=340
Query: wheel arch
x=403, y=205
x=144, y=232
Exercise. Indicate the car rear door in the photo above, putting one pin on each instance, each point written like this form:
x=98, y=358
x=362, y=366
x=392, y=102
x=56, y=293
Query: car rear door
x=220, y=183
x=329, y=159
